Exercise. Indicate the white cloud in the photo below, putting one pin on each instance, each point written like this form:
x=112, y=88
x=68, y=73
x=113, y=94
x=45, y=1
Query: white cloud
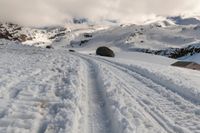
x=42, y=12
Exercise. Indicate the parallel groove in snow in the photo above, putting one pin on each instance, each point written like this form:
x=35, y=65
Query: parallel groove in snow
x=98, y=121
x=50, y=93
x=181, y=112
x=177, y=109
x=192, y=98
x=119, y=123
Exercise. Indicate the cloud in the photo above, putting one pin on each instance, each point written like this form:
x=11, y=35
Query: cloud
x=49, y=12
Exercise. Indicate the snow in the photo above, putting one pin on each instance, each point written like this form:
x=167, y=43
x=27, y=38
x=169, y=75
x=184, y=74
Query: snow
x=176, y=79
x=137, y=56
x=194, y=58
x=184, y=20
x=148, y=36
x=57, y=91
x=41, y=91
x=54, y=91
x=139, y=101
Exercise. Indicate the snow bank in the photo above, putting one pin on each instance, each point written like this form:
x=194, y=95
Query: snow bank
x=182, y=81
x=125, y=113
x=195, y=58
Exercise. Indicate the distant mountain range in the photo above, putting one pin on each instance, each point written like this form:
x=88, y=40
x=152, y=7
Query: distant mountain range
x=185, y=21
x=173, y=37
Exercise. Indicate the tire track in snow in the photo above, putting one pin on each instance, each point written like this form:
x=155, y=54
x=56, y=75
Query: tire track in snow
x=118, y=122
x=193, y=99
x=171, y=111
x=98, y=119
x=128, y=88
x=184, y=114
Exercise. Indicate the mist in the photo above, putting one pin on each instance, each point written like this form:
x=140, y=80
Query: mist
x=53, y=12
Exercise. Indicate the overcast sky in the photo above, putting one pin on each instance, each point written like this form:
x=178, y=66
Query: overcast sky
x=47, y=12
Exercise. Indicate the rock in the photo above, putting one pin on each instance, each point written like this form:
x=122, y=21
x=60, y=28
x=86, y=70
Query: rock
x=83, y=42
x=105, y=51
x=186, y=64
x=87, y=35
x=71, y=50
x=49, y=47
x=79, y=20
x=22, y=38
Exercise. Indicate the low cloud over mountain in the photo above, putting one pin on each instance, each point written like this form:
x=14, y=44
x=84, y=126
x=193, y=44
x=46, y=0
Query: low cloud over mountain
x=48, y=12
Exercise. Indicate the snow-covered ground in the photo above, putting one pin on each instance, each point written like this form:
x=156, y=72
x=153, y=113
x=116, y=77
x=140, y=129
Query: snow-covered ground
x=130, y=38
x=54, y=91
x=57, y=91
x=195, y=58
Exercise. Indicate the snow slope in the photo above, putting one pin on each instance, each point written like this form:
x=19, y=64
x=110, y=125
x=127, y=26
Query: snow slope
x=162, y=37
x=40, y=91
x=57, y=91
x=195, y=58
x=149, y=36
x=185, y=20
x=54, y=91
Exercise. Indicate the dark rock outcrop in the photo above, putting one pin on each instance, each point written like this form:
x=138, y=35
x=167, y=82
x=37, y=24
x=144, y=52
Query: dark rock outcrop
x=186, y=64
x=87, y=35
x=71, y=50
x=83, y=42
x=49, y=47
x=105, y=51
x=172, y=52
x=13, y=32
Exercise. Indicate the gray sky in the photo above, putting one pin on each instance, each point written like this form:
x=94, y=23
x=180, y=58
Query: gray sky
x=47, y=12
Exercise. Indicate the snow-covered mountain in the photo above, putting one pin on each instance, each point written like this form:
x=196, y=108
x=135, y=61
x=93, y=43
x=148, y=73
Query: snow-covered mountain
x=181, y=20
x=32, y=36
x=159, y=38
x=163, y=37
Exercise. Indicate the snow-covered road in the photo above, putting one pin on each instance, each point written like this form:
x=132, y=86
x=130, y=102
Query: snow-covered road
x=138, y=103
x=54, y=91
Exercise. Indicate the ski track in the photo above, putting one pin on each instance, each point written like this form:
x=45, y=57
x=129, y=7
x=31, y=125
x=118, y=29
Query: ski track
x=98, y=120
x=163, y=104
x=59, y=92
x=170, y=110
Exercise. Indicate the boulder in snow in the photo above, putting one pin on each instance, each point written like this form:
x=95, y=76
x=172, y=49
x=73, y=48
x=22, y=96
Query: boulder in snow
x=49, y=47
x=87, y=35
x=186, y=64
x=105, y=51
x=71, y=50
